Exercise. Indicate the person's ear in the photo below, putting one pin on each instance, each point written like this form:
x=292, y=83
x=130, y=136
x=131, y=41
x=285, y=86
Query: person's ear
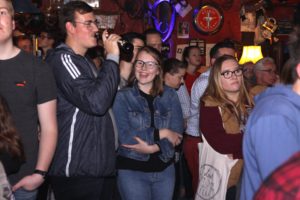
x=298, y=70
x=70, y=28
x=158, y=72
x=13, y=24
x=212, y=61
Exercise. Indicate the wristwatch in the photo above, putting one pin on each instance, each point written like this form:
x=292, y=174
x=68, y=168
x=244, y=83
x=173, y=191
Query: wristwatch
x=40, y=172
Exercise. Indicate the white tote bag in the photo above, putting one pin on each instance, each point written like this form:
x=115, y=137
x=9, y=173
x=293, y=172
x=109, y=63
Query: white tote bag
x=5, y=188
x=214, y=171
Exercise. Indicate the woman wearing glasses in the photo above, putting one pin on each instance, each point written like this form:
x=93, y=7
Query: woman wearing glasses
x=149, y=121
x=224, y=108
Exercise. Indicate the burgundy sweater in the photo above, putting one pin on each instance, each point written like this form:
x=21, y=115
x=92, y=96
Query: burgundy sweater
x=211, y=127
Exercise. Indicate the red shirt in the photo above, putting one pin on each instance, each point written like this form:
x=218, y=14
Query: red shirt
x=189, y=80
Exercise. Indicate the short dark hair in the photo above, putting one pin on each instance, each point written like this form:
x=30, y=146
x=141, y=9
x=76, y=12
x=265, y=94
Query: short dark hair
x=130, y=36
x=227, y=43
x=54, y=34
x=21, y=37
x=172, y=66
x=67, y=13
x=151, y=31
x=51, y=33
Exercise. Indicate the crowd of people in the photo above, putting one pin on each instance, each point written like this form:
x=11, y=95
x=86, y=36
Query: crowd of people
x=90, y=121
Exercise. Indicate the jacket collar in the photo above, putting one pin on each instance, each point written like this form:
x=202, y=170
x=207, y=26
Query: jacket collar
x=136, y=89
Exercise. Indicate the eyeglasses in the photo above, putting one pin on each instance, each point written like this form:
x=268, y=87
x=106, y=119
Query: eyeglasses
x=270, y=71
x=148, y=65
x=89, y=23
x=228, y=74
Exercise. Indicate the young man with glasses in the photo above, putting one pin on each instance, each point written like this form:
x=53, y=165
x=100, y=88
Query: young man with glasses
x=29, y=88
x=84, y=162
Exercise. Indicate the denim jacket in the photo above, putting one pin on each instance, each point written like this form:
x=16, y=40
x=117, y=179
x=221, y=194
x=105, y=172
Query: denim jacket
x=133, y=118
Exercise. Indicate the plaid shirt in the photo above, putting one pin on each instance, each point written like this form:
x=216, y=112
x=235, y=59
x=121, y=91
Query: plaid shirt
x=283, y=183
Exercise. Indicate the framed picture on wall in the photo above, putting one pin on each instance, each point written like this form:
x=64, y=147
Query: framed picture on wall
x=200, y=43
x=107, y=21
x=183, y=30
x=179, y=50
x=93, y=3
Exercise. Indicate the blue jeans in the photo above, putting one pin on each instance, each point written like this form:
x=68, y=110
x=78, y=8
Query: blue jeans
x=22, y=194
x=135, y=185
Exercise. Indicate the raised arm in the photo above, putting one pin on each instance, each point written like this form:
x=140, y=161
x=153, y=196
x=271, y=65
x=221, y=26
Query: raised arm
x=76, y=81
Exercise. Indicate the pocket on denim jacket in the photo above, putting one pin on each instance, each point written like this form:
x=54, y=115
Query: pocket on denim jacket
x=135, y=120
x=163, y=119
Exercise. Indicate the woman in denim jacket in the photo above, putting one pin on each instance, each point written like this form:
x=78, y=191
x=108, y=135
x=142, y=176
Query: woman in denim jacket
x=150, y=123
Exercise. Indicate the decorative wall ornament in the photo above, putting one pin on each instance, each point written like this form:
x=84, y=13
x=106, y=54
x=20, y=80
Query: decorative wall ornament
x=200, y=43
x=107, y=21
x=208, y=18
x=163, y=14
x=183, y=30
x=183, y=9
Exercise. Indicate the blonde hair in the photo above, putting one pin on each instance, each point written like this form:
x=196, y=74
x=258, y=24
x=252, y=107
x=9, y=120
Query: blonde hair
x=215, y=91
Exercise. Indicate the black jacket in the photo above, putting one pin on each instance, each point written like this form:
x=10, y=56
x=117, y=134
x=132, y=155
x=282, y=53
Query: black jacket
x=86, y=137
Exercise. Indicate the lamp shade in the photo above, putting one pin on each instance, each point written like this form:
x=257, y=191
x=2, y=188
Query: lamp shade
x=251, y=54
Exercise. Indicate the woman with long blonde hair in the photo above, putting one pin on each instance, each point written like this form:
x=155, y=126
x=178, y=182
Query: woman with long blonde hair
x=224, y=109
x=237, y=100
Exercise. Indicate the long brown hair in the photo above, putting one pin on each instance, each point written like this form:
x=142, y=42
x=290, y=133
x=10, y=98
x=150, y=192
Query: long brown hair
x=215, y=90
x=9, y=139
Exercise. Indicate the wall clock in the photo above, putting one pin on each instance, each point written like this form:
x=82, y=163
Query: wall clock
x=208, y=19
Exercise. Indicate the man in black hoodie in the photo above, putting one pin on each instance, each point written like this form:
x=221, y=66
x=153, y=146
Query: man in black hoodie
x=85, y=156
